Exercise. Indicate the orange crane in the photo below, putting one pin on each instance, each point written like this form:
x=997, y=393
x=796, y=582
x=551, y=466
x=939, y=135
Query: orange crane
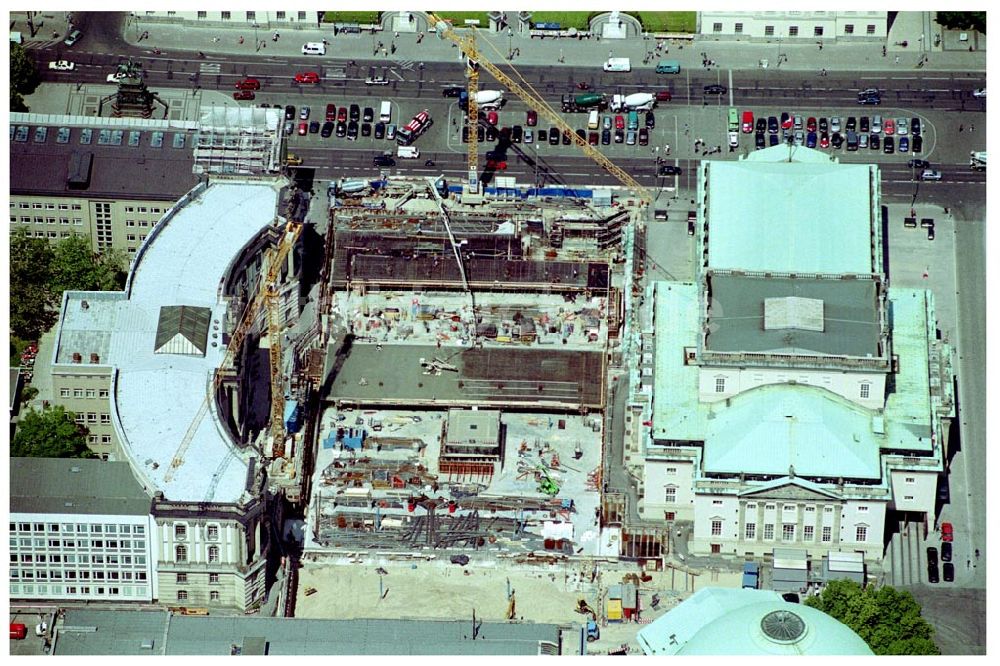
x=531, y=98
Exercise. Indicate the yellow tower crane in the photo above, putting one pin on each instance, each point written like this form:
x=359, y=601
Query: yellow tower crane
x=532, y=99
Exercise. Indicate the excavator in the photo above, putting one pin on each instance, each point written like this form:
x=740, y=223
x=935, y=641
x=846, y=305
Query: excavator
x=593, y=632
x=546, y=485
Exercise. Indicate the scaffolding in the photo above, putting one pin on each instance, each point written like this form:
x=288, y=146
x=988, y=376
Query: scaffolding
x=241, y=141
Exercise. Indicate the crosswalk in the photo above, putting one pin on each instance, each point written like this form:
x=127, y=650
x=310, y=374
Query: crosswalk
x=210, y=68
x=404, y=64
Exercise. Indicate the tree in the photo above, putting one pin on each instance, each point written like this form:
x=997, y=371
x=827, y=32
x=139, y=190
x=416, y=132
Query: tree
x=50, y=433
x=886, y=618
x=76, y=267
x=23, y=77
x=963, y=20
x=31, y=300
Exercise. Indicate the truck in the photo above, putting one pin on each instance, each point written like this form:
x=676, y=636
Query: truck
x=582, y=103
x=633, y=102
x=485, y=99
x=618, y=65
x=977, y=160
x=413, y=129
x=346, y=186
x=751, y=575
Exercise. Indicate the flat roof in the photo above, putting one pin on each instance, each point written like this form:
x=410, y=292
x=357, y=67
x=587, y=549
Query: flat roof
x=822, y=212
x=677, y=414
x=850, y=316
x=393, y=375
x=156, y=396
x=76, y=486
x=908, y=424
x=132, y=164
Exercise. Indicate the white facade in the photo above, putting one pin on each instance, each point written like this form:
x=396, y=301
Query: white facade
x=82, y=557
x=914, y=490
x=668, y=490
x=263, y=20
x=866, y=389
x=786, y=25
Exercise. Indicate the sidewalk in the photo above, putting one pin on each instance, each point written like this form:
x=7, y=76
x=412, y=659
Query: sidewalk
x=377, y=48
x=50, y=27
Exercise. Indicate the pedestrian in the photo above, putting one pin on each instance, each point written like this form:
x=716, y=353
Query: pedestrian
x=968, y=564
x=883, y=52
x=215, y=40
x=397, y=35
x=972, y=128
x=241, y=39
x=961, y=127
x=897, y=60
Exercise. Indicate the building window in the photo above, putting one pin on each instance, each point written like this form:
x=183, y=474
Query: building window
x=213, y=578
x=716, y=27
x=182, y=595
x=769, y=531
x=862, y=509
x=213, y=595
x=793, y=31
x=226, y=16
x=105, y=419
x=908, y=498
x=251, y=16
x=751, y=507
x=827, y=509
x=810, y=509
x=716, y=528
x=911, y=479
x=720, y=384
x=716, y=502
x=280, y=16
x=818, y=31
x=213, y=532
x=202, y=15
x=670, y=495
x=849, y=29
x=182, y=578
x=180, y=531
x=77, y=393
x=865, y=390
x=671, y=470
x=870, y=29
x=91, y=417
x=64, y=393
x=182, y=554
x=302, y=16
x=807, y=532
x=861, y=533
x=103, y=393
x=769, y=507
x=738, y=28
x=787, y=532
x=751, y=532
x=213, y=553
x=827, y=534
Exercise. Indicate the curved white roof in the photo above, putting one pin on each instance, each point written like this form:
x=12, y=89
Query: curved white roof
x=157, y=396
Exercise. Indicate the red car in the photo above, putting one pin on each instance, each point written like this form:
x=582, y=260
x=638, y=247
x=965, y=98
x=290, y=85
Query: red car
x=824, y=140
x=342, y=114
x=947, y=532
x=663, y=96
x=619, y=122
x=307, y=77
x=498, y=165
x=243, y=94
x=303, y=128
x=532, y=117
x=492, y=118
x=331, y=111
x=248, y=84
x=810, y=124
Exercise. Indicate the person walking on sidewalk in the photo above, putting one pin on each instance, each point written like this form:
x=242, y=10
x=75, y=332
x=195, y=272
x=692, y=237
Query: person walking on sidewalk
x=241, y=39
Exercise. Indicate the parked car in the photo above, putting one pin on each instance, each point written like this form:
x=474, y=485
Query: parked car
x=761, y=124
x=619, y=122
x=390, y=132
x=619, y=136
x=824, y=140
x=553, y=137
x=932, y=556
x=582, y=134
x=529, y=135
x=772, y=125
x=289, y=127
x=946, y=551
x=759, y=140
x=918, y=164
x=862, y=141
x=889, y=127
x=341, y=128
x=355, y=112
x=62, y=65
x=823, y=126
x=932, y=572
x=592, y=138
x=304, y=113
x=314, y=127
x=797, y=122
x=352, y=130
x=630, y=138
x=875, y=142
x=837, y=140
x=516, y=133
x=948, y=571
x=307, y=77
x=366, y=129
x=243, y=94
x=917, y=145
x=863, y=125
x=532, y=118
x=947, y=531
x=904, y=144
x=303, y=128
x=773, y=140
x=915, y=127
x=368, y=115
x=663, y=96
x=605, y=137
x=248, y=84
x=331, y=112
x=944, y=490
x=379, y=130
x=901, y=126
x=715, y=89
x=289, y=112
x=342, y=114
x=811, y=140
x=835, y=124
x=786, y=120
x=800, y=138
x=650, y=120
x=851, y=125
x=327, y=129
x=888, y=145
x=811, y=124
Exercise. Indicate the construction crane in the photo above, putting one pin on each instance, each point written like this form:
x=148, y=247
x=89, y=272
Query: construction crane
x=266, y=286
x=532, y=99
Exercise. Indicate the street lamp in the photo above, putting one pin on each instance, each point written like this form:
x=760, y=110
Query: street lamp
x=510, y=42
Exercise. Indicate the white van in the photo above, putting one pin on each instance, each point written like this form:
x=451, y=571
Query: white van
x=407, y=152
x=385, y=111
x=314, y=48
x=618, y=65
x=594, y=121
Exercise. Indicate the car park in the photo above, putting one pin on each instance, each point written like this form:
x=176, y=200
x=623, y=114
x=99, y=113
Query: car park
x=341, y=128
x=303, y=128
x=948, y=572
x=630, y=138
x=875, y=142
x=605, y=137
x=811, y=124
x=327, y=129
x=863, y=125
x=314, y=127
x=772, y=125
x=904, y=144
x=915, y=127
x=917, y=145
x=307, y=77
x=650, y=120
x=715, y=89
x=352, y=130
x=901, y=126
x=643, y=136
x=669, y=170
x=946, y=551
x=304, y=113
x=355, y=112
x=532, y=118
x=888, y=145
x=366, y=129
x=243, y=94
x=368, y=115
x=889, y=127
x=663, y=96
x=62, y=65
x=248, y=84
x=759, y=140
x=932, y=572
x=947, y=530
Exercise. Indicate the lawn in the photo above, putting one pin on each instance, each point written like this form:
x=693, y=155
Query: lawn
x=667, y=21
x=458, y=18
x=578, y=20
x=351, y=17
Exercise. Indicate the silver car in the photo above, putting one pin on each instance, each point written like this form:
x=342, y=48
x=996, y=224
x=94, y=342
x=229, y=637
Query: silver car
x=901, y=126
x=834, y=124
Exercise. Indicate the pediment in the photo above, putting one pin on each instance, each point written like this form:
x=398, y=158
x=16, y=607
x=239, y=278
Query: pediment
x=790, y=490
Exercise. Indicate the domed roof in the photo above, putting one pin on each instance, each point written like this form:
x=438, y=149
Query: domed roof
x=775, y=627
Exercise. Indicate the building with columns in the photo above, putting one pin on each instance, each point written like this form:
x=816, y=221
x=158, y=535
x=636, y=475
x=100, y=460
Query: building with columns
x=789, y=397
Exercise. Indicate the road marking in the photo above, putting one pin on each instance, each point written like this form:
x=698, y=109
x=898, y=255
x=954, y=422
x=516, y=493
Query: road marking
x=210, y=68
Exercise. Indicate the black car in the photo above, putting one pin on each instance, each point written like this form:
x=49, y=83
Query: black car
x=823, y=125
x=944, y=491
x=715, y=89
x=836, y=140
x=352, y=130
x=643, y=136
x=327, y=129
x=870, y=96
x=873, y=142
x=949, y=572
x=516, y=133
x=888, y=146
x=915, y=127
x=379, y=130
x=917, y=145
x=619, y=136
x=668, y=170
x=924, y=164
x=772, y=125
x=759, y=140
x=314, y=127
x=932, y=556
x=366, y=129
x=491, y=133
x=355, y=112
x=605, y=137
x=932, y=572
x=453, y=91
x=341, y=129
x=480, y=133
x=553, y=137
x=946, y=551
x=566, y=140
x=650, y=120
x=761, y=124
x=773, y=140
x=369, y=114
x=852, y=124
x=289, y=112
x=863, y=127
x=582, y=134
x=384, y=161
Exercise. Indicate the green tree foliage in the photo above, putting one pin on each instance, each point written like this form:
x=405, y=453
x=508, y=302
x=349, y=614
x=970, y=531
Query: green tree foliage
x=76, y=267
x=886, y=618
x=23, y=77
x=963, y=20
x=50, y=433
x=31, y=300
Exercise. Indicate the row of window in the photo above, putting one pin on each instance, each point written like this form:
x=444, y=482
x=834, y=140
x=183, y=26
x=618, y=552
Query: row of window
x=182, y=578
x=131, y=238
x=788, y=532
x=143, y=224
x=143, y=209
x=793, y=30
x=117, y=544
x=91, y=417
x=251, y=16
x=103, y=394
x=864, y=388
x=181, y=553
x=36, y=205
x=182, y=595
x=181, y=532
x=73, y=558
x=17, y=590
x=99, y=439
x=24, y=219
x=58, y=574
x=79, y=528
